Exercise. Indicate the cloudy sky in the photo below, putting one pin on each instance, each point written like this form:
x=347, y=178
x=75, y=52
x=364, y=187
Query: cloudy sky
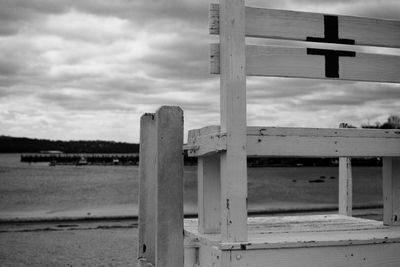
x=88, y=69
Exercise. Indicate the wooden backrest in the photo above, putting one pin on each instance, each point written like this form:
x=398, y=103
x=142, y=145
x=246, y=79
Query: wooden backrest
x=342, y=63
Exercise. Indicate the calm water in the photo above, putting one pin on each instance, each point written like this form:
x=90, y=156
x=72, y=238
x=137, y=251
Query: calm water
x=51, y=190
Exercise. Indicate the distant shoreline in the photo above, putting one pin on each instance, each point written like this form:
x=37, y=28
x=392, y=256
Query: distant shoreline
x=103, y=215
x=9, y=144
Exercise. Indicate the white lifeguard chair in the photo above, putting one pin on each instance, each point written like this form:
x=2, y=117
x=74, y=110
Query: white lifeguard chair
x=223, y=234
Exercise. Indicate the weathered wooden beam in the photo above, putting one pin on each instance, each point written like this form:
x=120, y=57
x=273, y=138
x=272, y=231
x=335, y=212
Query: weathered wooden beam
x=307, y=142
x=304, y=26
x=191, y=248
x=345, y=186
x=209, y=194
x=169, y=187
x=391, y=190
x=233, y=121
x=312, y=63
x=321, y=143
x=201, y=141
x=345, y=183
x=147, y=188
x=328, y=132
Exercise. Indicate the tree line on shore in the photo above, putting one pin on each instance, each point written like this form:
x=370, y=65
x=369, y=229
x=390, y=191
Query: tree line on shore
x=10, y=144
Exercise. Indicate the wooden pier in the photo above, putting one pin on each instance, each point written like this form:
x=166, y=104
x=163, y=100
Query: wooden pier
x=82, y=159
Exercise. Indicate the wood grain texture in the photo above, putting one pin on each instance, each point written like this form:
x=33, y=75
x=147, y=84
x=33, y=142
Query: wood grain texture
x=209, y=194
x=147, y=188
x=345, y=189
x=205, y=141
x=191, y=252
x=356, y=256
x=345, y=186
x=169, y=187
x=391, y=191
x=233, y=121
x=306, y=231
x=296, y=63
x=293, y=25
x=308, y=142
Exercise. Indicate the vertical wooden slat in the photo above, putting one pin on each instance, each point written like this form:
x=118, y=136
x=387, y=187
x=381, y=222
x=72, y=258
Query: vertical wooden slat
x=226, y=258
x=233, y=121
x=345, y=186
x=147, y=185
x=345, y=183
x=169, y=188
x=191, y=252
x=391, y=191
x=209, y=192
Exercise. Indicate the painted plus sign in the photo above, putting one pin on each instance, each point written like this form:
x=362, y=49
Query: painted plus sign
x=331, y=35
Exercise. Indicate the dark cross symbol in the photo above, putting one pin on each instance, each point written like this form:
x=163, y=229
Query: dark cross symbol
x=331, y=29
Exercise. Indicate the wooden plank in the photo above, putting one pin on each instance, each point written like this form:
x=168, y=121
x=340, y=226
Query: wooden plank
x=345, y=186
x=209, y=256
x=301, y=62
x=169, y=188
x=233, y=121
x=327, y=132
x=345, y=183
x=391, y=191
x=226, y=259
x=380, y=254
x=147, y=186
x=209, y=194
x=201, y=141
x=206, y=145
x=356, y=256
x=293, y=25
x=308, y=142
x=297, y=131
x=191, y=252
x=322, y=146
x=302, y=231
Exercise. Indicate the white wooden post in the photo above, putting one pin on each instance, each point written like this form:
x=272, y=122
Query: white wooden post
x=209, y=192
x=161, y=189
x=147, y=187
x=391, y=191
x=233, y=121
x=345, y=184
x=169, y=188
x=191, y=252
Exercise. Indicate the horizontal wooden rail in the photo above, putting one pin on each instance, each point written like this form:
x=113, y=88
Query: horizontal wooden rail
x=302, y=142
x=314, y=63
x=314, y=27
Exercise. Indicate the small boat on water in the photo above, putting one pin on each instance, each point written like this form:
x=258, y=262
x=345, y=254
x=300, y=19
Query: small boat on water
x=82, y=161
x=115, y=161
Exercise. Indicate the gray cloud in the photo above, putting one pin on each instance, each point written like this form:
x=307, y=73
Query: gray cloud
x=85, y=58
x=14, y=12
x=8, y=68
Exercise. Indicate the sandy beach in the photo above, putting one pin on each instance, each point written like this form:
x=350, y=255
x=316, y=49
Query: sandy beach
x=87, y=216
x=111, y=242
x=100, y=243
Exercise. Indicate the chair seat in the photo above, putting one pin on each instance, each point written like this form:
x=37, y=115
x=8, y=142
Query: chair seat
x=308, y=240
